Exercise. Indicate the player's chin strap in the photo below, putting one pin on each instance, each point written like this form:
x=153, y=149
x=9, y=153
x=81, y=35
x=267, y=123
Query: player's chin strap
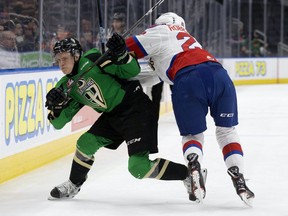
x=107, y=53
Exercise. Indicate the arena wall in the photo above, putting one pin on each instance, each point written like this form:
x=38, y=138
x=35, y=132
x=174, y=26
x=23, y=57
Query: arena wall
x=28, y=141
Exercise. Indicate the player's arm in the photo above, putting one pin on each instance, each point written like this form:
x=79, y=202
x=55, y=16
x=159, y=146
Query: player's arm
x=61, y=109
x=149, y=43
x=124, y=65
x=135, y=46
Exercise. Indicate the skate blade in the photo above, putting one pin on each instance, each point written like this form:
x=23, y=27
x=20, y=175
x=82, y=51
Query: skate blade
x=53, y=198
x=204, y=175
x=247, y=201
x=198, y=192
x=50, y=198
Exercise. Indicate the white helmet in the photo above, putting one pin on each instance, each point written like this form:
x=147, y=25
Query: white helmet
x=170, y=18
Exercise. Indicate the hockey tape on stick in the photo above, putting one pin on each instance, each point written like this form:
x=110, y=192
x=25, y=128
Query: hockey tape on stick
x=105, y=55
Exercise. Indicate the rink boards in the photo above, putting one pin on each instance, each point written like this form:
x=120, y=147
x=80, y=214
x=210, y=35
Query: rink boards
x=28, y=140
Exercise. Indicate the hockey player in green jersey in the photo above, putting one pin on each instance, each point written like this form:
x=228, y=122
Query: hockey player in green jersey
x=127, y=112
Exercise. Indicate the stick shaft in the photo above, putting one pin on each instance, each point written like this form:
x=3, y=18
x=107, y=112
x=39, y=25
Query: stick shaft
x=142, y=18
x=101, y=28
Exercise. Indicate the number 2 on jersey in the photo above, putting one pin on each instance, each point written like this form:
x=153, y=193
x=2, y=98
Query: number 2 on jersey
x=190, y=42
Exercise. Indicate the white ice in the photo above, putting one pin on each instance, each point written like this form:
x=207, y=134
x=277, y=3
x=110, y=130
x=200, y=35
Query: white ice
x=111, y=190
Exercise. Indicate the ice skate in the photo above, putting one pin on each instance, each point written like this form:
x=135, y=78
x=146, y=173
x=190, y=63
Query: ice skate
x=195, y=182
x=242, y=190
x=66, y=190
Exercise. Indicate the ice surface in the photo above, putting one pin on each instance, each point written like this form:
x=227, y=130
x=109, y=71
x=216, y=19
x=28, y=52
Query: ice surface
x=111, y=190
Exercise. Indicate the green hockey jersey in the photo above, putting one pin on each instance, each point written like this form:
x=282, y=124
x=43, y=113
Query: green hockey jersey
x=100, y=88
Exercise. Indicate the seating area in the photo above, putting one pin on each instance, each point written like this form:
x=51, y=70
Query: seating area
x=226, y=28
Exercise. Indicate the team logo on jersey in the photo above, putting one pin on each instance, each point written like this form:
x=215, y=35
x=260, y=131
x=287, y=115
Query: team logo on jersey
x=92, y=92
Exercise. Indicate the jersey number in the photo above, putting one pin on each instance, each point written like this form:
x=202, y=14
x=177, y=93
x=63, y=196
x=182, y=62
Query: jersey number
x=190, y=42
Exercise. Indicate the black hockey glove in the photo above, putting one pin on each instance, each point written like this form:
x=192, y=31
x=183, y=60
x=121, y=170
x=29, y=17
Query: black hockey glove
x=56, y=100
x=116, y=44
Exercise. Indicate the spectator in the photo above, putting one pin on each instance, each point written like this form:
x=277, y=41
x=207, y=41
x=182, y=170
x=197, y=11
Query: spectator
x=87, y=39
x=8, y=40
x=239, y=42
x=30, y=42
x=118, y=24
x=8, y=50
x=255, y=45
x=259, y=47
x=18, y=30
x=18, y=7
x=61, y=33
x=244, y=47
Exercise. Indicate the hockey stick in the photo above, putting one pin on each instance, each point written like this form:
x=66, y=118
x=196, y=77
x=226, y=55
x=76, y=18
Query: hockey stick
x=101, y=28
x=142, y=18
x=107, y=53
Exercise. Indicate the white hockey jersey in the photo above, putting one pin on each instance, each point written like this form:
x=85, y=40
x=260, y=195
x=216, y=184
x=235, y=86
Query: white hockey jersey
x=170, y=48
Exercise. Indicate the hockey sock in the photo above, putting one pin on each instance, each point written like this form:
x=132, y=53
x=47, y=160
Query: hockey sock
x=193, y=144
x=167, y=170
x=140, y=166
x=81, y=165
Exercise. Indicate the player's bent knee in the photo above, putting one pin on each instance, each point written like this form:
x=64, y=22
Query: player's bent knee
x=225, y=135
x=139, y=165
x=89, y=143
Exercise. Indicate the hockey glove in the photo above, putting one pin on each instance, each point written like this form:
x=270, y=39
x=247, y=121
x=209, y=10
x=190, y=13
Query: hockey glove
x=116, y=44
x=56, y=100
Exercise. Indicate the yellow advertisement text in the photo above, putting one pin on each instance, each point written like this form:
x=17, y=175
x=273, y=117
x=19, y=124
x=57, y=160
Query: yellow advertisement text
x=25, y=112
x=250, y=68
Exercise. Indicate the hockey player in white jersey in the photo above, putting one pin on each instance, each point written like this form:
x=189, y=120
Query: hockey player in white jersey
x=199, y=83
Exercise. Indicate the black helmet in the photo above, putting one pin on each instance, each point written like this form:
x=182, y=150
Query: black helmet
x=68, y=45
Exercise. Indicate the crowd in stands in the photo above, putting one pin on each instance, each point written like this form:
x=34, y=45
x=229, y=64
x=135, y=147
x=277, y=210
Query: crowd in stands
x=258, y=47
x=20, y=32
